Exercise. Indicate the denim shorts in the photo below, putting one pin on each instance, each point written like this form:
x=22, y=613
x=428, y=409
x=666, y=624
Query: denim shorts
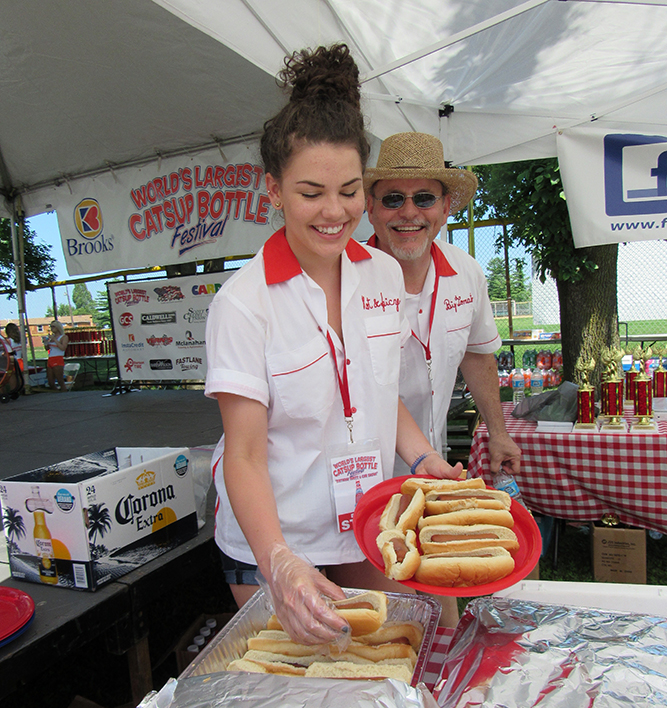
x=237, y=572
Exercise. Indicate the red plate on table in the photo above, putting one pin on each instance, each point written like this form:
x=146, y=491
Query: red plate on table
x=366, y=529
x=16, y=612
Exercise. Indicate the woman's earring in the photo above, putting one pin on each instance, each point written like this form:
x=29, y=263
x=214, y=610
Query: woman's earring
x=279, y=205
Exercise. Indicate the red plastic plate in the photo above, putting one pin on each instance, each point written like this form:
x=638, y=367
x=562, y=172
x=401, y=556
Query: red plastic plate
x=366, y=529
x=16, y=610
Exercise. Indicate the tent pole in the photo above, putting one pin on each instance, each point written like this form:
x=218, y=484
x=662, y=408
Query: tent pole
x=17, y=217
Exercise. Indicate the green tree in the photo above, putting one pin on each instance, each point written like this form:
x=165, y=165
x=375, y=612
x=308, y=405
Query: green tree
x=63, y=310
x=83, y=300
x=102, y=316
x=495, y=277
x=39, y=265
x=519, y=281
x=530, y=195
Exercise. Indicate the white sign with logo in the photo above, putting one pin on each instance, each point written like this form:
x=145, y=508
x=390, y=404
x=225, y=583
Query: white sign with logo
x=160, y=326
x=615, y=183
x=174, y=211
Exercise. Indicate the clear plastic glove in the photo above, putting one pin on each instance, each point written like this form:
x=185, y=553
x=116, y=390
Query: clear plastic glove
x=301, y=602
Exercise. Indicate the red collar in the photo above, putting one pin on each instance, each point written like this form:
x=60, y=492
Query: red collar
x=280, y=263
x=442, y=266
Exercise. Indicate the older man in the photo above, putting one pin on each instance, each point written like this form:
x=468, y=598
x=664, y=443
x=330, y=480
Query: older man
x=410, y=194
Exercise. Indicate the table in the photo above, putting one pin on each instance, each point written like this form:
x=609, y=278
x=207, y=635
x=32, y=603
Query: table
x=436, y=659
x=581, y=476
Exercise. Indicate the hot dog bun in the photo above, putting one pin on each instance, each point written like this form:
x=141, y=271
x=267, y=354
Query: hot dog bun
x=347, y=670
x=442, y=502
x=428, y=484
x=451, y=537
x=402, y=512
x=408, y=631
x=475, y=567
x=400, y=553
x=496, y=517
x=365, y=612
x=266, y=667
x=277, y=641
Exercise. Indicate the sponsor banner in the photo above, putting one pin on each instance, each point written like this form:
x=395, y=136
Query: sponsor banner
x=160, y=326
x=173, y=211
x=615, y=183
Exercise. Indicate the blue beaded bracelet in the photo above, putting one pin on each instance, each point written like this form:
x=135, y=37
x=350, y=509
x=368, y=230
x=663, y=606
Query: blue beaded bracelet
x=420, y=459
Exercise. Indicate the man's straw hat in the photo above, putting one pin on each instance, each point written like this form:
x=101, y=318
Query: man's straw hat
x=420, y=156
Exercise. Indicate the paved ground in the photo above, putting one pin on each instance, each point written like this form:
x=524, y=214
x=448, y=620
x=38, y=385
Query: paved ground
x=45, y=428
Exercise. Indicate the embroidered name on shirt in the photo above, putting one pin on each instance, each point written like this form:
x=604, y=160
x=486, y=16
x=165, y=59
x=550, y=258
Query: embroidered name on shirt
x=383, y=302
x=455, y=303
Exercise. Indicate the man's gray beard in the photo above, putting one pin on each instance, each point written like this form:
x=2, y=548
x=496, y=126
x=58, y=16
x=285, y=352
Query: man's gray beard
x=408, y=254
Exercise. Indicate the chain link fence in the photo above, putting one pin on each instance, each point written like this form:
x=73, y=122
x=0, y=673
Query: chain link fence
x=533, y=306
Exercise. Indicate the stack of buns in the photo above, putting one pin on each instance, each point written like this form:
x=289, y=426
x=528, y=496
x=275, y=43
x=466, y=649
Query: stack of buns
x=464, y=529
x=379, y=649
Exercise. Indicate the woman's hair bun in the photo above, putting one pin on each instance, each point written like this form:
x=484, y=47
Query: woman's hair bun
x=323, y=74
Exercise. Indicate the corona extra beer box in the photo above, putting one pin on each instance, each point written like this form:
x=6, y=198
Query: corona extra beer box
x=87, y=521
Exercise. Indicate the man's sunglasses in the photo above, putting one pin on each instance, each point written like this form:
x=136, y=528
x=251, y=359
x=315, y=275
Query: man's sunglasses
x=395, y=200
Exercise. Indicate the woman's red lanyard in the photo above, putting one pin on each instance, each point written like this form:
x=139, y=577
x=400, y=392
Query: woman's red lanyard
x=427, y=346
x=344, y=387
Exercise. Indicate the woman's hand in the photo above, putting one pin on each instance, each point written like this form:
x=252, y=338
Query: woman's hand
x=435, y=466
x=298, y=589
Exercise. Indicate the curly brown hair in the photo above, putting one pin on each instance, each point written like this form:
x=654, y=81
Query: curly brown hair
x=324, y=107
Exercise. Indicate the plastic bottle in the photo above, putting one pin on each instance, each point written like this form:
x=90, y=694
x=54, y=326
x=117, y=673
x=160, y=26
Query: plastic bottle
x=518, y=386
x=212, y=624
x=503, y=481
x=359, y=492
x=536, y=383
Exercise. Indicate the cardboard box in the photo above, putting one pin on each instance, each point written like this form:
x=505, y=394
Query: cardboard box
x=523, y=334
x=619, y=554
x=87, y=521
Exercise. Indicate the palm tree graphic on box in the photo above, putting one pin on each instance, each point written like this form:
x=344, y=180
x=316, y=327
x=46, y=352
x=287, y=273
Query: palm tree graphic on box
x=14, y=528
x=99, y=522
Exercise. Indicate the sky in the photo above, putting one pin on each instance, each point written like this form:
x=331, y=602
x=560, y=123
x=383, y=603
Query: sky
x=46, y=228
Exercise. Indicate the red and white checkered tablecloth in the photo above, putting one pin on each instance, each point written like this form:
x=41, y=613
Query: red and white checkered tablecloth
x=437, y=656
x=581, y=476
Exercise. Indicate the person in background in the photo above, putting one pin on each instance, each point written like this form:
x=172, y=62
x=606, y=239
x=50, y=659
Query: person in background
x=303, y=347
x=409, y=195
x=14, y=338
x=56, y=344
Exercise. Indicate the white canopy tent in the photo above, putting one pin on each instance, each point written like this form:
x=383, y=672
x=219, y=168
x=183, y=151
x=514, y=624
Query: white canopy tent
x=103, y=88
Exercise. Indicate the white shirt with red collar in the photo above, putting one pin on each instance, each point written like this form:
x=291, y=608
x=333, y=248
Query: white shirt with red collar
x=266, y=339
x=462, y=322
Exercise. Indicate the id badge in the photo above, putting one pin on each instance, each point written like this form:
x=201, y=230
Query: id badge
x=354, y=469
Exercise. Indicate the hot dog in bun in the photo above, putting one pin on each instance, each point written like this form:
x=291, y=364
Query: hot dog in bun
x=476, y=567
x=428, y=484
x=496, y=517
x=451, y=537
x=365, y=612
x=402, y=512
x=400, y=554
x=408, y=631
x=442, y=502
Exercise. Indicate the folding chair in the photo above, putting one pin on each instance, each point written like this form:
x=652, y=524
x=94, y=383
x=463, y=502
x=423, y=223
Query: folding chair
x=70, y=370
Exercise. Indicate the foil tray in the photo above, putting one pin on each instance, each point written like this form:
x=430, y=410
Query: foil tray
x=231, y=642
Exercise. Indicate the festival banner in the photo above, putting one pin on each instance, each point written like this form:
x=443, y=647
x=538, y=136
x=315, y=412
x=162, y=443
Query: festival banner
x=615, y=183
x=160, y=326
x=171, y=211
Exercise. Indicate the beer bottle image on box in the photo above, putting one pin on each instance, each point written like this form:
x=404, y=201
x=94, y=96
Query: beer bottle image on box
x=44, y=547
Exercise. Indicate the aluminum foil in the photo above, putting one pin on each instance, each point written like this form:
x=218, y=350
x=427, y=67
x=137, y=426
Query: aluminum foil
x=519, y=654
x=231, y=642
x=243, y=690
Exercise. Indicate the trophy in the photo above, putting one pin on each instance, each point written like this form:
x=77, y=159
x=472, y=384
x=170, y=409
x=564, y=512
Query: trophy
x=643, y=395
x=660, y=374
x=585, y=397
x=611, y=391
x=631, y=373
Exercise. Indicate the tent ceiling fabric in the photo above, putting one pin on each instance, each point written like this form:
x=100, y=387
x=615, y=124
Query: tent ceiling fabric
x=85, y=85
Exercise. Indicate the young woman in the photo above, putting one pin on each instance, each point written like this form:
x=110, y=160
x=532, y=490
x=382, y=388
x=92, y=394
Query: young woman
x=56, y=344
x=303, y=348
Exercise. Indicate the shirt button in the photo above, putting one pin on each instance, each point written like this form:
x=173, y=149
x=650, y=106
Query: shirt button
x=347, y=361
x=354, y=410
x=421, y=311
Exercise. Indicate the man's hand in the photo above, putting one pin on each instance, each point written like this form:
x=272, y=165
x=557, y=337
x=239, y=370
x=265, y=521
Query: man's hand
x=502, y=449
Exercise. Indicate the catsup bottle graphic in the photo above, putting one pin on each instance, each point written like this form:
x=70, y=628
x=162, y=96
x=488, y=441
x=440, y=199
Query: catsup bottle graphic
x=44, y=548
